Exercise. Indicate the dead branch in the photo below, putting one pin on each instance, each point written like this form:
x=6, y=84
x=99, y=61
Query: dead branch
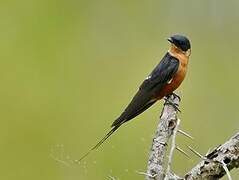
x=213, y=166
x=217, y=163
x=168, y=122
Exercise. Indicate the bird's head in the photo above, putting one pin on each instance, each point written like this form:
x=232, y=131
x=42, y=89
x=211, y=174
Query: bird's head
x=181, y=42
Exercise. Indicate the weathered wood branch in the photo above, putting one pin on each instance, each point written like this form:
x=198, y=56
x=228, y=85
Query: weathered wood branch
x=211, y=167
x=168, y=122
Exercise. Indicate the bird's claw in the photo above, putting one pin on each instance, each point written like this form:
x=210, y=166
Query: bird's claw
x=167, y=101
x=175, y=95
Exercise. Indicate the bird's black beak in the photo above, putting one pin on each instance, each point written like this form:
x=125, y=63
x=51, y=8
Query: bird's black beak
x=170, y=39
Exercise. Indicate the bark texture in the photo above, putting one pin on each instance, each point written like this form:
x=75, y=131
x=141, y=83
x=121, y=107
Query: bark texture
x=168, y=121
x=211, y=168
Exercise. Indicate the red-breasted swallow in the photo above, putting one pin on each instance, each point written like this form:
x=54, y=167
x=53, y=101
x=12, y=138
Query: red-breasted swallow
x=162, y=81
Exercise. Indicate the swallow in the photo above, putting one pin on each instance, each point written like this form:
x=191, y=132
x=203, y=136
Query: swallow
x=162, y=81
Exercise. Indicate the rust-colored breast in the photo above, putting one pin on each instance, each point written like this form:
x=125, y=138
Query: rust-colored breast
x=178, y=77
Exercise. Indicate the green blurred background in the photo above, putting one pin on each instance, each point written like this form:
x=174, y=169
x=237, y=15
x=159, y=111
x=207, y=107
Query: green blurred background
x=68, y=69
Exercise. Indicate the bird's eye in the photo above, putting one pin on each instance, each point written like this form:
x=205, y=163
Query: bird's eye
x=174, y=46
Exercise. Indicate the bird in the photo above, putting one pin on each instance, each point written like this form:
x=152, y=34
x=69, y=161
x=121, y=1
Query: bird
x=166, y=77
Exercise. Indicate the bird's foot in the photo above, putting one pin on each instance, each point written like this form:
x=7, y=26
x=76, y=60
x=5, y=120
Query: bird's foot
x=175, y=95
x=168, y=102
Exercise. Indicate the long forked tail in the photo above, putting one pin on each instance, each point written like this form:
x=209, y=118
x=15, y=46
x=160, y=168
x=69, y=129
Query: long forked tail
x=100, y=142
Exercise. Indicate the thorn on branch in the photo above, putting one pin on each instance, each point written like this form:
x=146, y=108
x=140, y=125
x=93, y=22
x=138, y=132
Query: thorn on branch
x=146, y=174
x=182, y=151
x=173, y=146
x=185, y=134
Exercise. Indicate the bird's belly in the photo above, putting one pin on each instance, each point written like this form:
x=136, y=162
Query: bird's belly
x=173, y=85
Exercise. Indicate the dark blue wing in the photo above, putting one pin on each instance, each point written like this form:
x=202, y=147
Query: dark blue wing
x=161, y=74
x=145, y=97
